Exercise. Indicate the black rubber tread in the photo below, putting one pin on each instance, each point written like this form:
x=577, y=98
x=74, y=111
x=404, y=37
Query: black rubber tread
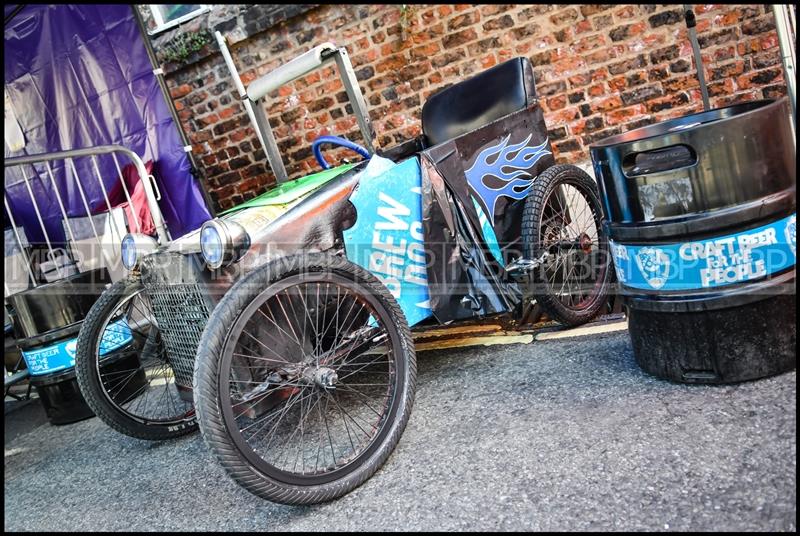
x=534, y=205
x=206, y=379
x=89, y=381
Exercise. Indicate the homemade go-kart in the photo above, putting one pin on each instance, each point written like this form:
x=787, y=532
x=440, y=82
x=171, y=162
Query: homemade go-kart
x=284, y=326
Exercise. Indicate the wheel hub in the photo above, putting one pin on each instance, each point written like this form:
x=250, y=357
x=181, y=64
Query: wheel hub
x=321, y=376
x=585, y=243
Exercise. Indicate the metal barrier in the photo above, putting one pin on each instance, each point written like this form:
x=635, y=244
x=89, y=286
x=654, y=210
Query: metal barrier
x=786, y=28
x=68, y=157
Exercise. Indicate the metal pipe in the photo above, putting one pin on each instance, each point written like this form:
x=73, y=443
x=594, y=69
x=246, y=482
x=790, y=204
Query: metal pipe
x=155, y=211
x=108, y=203
x=355, y=97
x=237, y=81
x=15, y=378
x=19, y=241
x=13, y=14
x=41, y=222
x=271, y=146
x=691, y=22
x=89, y=213
x=787, y=44
x=60, y=202
x=127, y=195
x=293, y=69
x=162, y=84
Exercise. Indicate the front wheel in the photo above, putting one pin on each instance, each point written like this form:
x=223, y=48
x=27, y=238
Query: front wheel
x=305, y=378
x=123, y=370
x=561, y=227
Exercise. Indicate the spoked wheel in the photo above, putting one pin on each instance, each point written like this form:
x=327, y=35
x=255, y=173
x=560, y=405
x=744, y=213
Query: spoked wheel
x=562, y=227
x=305, y=378
x=122, y=367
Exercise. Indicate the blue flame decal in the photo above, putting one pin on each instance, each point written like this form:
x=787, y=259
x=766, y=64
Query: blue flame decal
x=509, y=164
x=488, y=232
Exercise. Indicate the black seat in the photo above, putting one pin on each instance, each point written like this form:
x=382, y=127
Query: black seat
x=479, y=100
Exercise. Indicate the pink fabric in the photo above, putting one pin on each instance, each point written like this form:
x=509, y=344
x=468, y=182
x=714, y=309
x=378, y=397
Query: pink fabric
x=140, y=210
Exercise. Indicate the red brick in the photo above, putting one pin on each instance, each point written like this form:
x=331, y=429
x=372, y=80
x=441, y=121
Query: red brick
x=459, y=38
x=208, y=120
x=562, y=116
x=583, y=27
x=425, y=51
x=228, y=112
x=623, y=115
x=589, y=60
x=180, y=91
x=488, y=61
x=596, y=90
x=607, y=104
x=618, y=83
x=463, y=21
x=393, y=63
x=557, y=102
x=589, y=44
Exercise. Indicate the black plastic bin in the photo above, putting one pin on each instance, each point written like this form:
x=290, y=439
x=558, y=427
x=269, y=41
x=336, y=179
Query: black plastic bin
x=701, y=214
x=48, y=318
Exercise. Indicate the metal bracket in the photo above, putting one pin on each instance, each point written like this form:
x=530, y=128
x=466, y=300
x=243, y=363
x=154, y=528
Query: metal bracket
x=473, y=303
x=521, y=267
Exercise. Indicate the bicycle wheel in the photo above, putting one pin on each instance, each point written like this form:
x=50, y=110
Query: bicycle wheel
x=561, y=225
x=305, y=379
x=122, y=367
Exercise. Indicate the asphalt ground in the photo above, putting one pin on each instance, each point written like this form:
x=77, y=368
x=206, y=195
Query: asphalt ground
x=555, y=435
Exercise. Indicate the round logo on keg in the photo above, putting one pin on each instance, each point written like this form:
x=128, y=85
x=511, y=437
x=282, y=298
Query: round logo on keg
x=71, y=348
x=654, y=265
x=791, y=233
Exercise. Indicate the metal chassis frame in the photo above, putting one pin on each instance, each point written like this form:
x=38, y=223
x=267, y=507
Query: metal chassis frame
x=255, y=108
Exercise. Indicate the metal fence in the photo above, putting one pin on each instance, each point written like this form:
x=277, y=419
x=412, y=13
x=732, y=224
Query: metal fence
x=76, y=184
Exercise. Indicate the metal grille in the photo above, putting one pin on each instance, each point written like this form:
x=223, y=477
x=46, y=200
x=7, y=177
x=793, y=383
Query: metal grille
x=182, y=314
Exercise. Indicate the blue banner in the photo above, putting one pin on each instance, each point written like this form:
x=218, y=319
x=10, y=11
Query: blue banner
x=387, y=237
x=61, y=356
x=714, y=262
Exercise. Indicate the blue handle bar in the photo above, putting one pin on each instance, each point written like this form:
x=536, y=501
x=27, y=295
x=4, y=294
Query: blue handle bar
x=335, y=140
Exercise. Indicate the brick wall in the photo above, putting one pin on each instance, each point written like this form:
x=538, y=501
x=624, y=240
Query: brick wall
x=600, y=70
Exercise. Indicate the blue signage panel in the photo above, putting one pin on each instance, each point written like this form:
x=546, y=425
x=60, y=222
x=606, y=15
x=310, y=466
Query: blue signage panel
x=387, y=237
x=61, y=356
x=710, y=263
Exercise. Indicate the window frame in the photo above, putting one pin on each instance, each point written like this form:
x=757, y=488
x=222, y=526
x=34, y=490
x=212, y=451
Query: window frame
x=161, y=25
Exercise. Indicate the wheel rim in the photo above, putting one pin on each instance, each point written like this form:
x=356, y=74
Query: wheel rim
x=569, y=231
x=309, y=379
x=154, y=399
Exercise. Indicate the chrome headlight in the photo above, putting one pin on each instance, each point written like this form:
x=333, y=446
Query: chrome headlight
x=134, y=246
x=222, y=242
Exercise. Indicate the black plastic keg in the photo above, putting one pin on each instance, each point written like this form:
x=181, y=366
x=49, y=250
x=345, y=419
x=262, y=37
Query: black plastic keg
x=49, y=318
x=701, y=211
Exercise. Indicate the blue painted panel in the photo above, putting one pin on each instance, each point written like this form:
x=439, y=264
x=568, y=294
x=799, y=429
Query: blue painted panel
x=387, y=237
x=710, y=263
x=61, y=356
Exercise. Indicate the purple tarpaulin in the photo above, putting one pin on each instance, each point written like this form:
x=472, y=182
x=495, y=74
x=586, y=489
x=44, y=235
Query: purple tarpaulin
x=79, y=76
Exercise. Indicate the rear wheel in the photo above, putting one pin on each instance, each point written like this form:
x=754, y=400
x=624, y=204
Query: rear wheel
x=305, y=379
x=122, y=367
x=561, y=225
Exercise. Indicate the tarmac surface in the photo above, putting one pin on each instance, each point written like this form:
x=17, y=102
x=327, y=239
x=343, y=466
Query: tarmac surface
x=554, y=435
